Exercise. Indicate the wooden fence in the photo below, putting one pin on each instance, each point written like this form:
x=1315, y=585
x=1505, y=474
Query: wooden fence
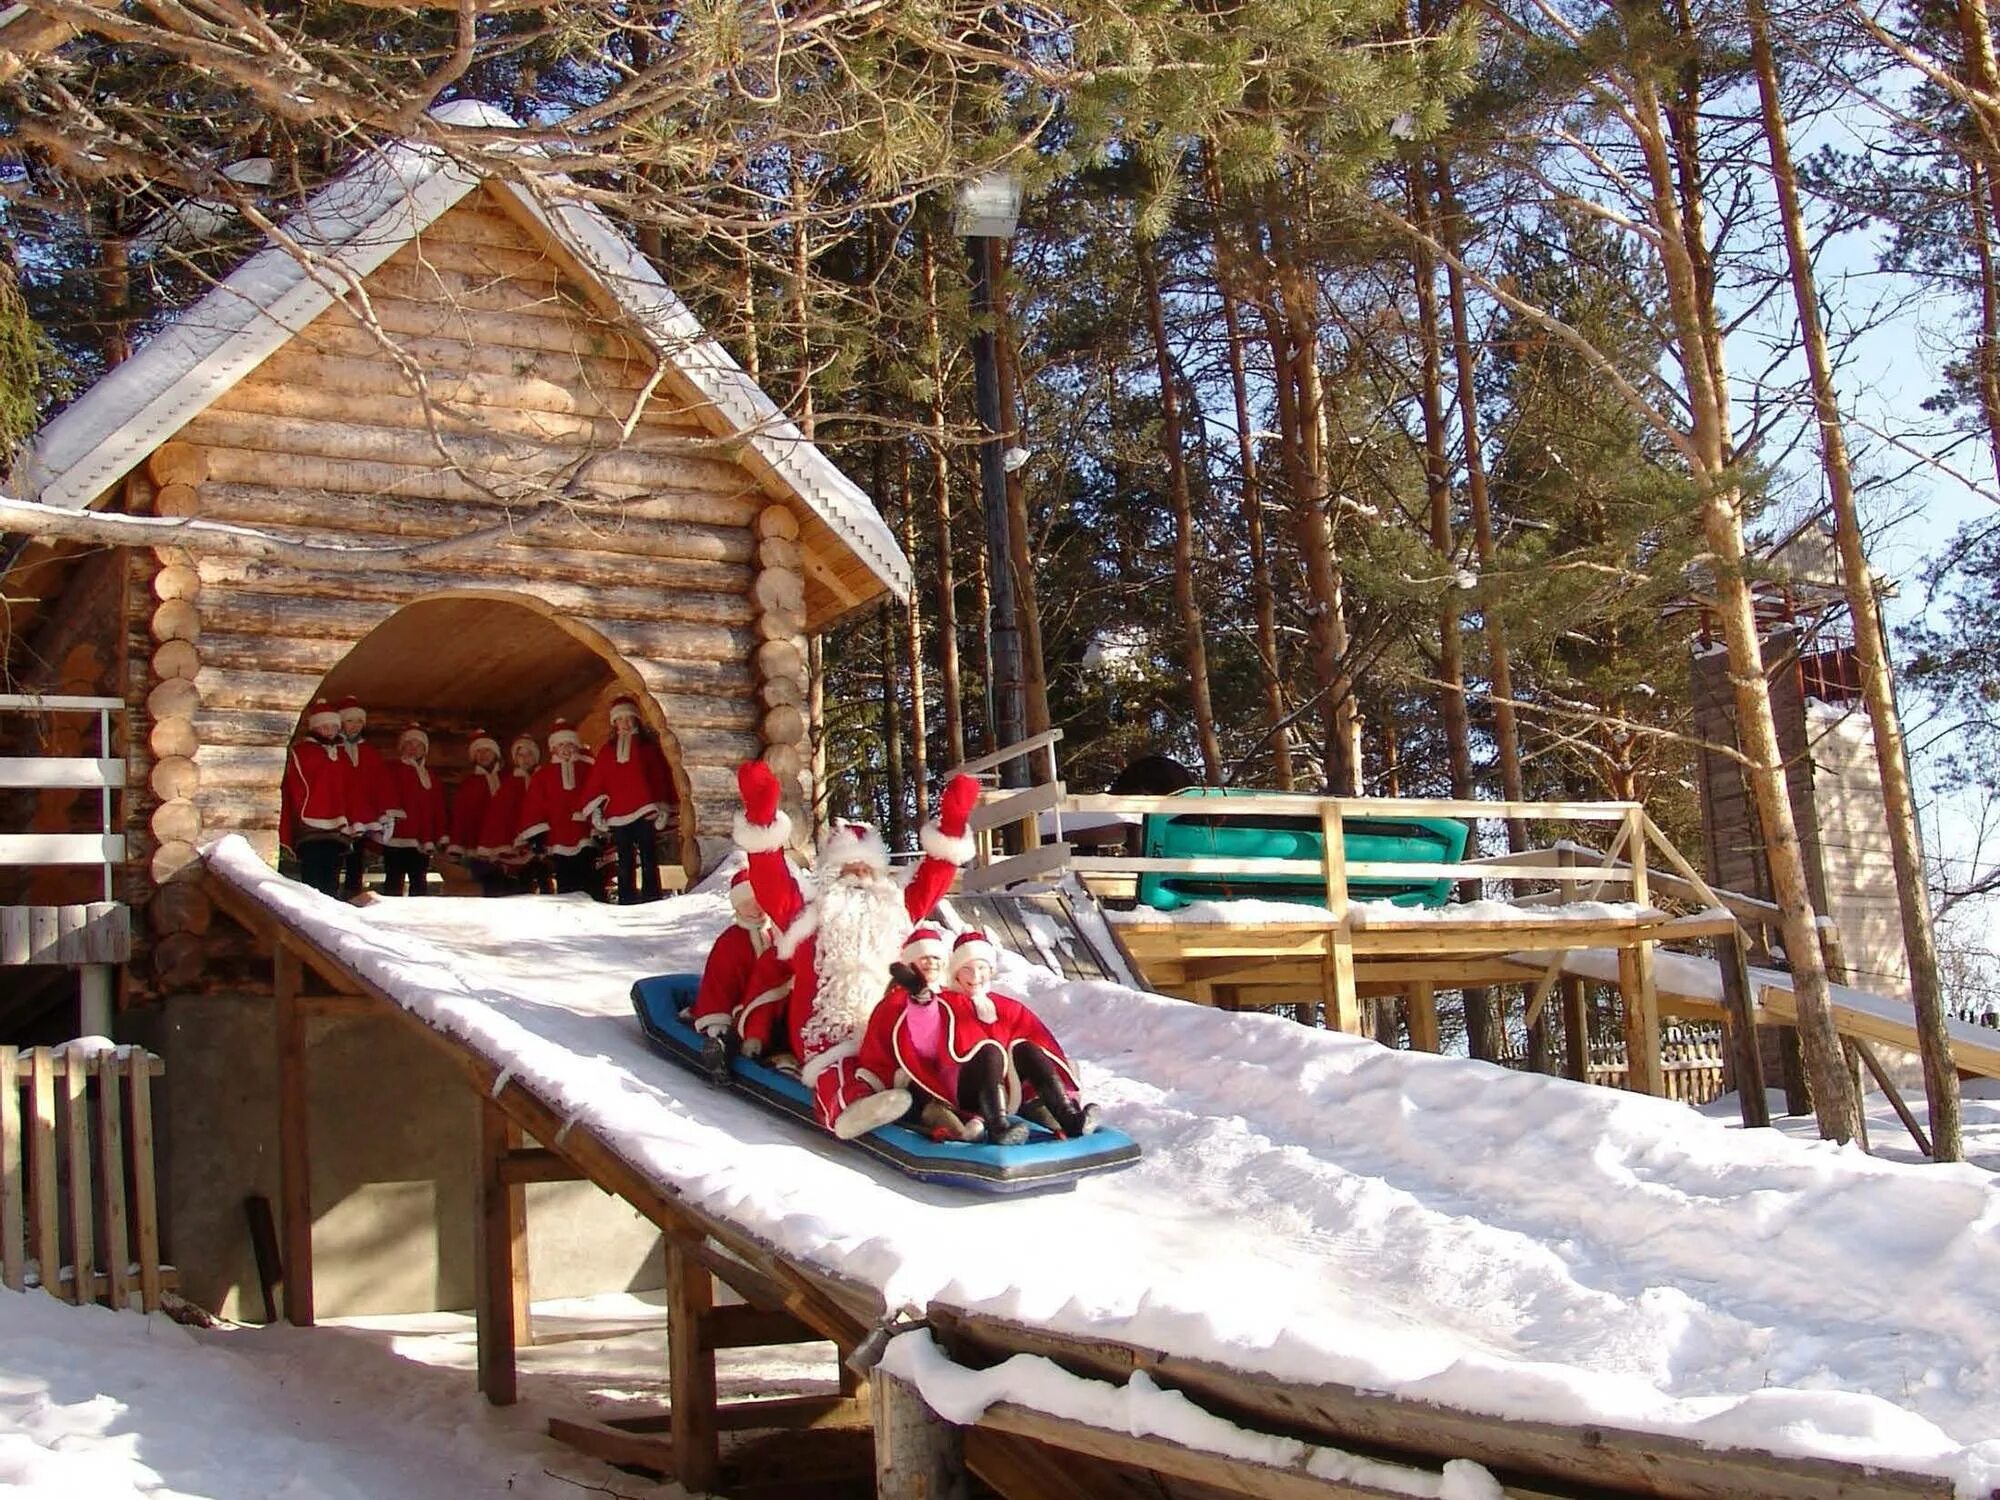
x=1691, y=1067
x=79, y=1215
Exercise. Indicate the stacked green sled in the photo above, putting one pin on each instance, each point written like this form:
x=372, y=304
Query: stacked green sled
x=1375, y=839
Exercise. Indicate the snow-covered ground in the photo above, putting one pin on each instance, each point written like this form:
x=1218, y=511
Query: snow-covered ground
x=1979, y=1121
x=1311, y=1206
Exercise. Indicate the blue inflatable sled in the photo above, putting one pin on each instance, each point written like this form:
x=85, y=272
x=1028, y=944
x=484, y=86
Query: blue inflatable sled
x=1044, y=1160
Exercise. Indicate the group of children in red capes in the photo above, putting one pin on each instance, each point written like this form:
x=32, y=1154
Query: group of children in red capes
x=849, y=986
x=341, y=798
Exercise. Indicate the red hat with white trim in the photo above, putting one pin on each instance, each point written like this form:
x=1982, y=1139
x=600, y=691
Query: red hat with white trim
x=972, y=947
x=324, y=717
x=413, y=731
x=524, y=738
x=350, y=701
x=625, y=706
x=741, y=894
x=562, y=732
x=925, y=942
x=482, y=740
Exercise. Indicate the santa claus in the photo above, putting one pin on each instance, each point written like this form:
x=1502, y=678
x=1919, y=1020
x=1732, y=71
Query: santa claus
x=841, y=939
x=969, y=1053
x=744, y=985
x=413, y=837
x=629, y=795
x=313, y=820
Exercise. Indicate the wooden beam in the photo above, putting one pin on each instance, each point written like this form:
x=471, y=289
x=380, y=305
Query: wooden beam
x=13, y=1218
x=1739, y=1027
x=768, y=1414
x=691, y=1369
x=1576, y=1028
x=1895, y=1096
x=495, y=1244
x=626, y=1450
x=741, y=1326
x=1422, y=1013
x=82, y=1235
x=525, y=1164
x=294, y=1140
x=42, y=1166
x=337, y=1007
x=153, y=1278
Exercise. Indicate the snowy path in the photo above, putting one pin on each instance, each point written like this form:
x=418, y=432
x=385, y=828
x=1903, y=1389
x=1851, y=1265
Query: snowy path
x=1311, y=1206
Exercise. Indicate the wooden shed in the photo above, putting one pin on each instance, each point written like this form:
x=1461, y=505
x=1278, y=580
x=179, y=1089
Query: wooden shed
x=456, y=361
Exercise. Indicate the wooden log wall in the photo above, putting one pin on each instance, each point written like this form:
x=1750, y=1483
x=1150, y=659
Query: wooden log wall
x=678, y=560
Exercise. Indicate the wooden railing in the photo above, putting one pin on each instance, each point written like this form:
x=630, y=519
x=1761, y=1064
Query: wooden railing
x=104, y=772
x=79, y=1212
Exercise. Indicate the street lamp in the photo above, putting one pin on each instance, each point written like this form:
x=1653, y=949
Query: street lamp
x=989, y=206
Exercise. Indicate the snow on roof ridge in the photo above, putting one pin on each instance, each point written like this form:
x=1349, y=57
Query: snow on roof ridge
x=363, y=217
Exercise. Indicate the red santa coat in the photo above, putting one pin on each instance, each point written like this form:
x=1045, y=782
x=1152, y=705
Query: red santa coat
x=926, y=1042
x=468, y=809
x=314, y=801
x=785, y=902
x=629, y=780
x=372, y=793
x=761, y=1016
x=497, y=830
x=423, y=823
x=744, y=985
x=553, y=808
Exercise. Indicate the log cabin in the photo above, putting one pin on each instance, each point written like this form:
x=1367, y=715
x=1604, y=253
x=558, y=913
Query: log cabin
x=565, y=488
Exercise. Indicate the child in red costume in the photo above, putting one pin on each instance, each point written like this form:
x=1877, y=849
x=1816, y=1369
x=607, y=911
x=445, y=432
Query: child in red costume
x=415, y=836
x=469, y=801
x=744, y=984
x=553, y=810
x=841, y=940
x=973, y=1051
x=373, y=800
x=629, y=795
x=512, y=864
x=313, y=822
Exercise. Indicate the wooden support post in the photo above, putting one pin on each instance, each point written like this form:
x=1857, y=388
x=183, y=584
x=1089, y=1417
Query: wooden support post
x=294, y=1152
x=1423, y=1015
x=493, y=1263
x=918, y=1455
x=1895, y=1097
x=145, y=1194
x=13, y=1220
x=1576, y=1028
x=1739, y=1029
x=517, y=1234
x=111, y=1183
x=42, y=1168
x=691, y=1369
x=1343, y=1006
x=93, y=1015
x=1860, y=1099
x=1644, y=1073
x=82, y=1233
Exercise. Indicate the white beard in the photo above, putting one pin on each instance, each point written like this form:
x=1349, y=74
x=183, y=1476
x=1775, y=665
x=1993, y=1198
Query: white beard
x=862, y=927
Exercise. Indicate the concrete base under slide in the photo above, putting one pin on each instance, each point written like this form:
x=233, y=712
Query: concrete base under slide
x=394, y=1152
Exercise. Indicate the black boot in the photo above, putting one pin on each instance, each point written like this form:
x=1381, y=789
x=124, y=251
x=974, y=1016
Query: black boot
x=982, y=1092
x=717, y=1050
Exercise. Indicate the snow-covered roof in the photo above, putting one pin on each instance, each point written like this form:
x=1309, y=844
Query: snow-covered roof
x=350, y=227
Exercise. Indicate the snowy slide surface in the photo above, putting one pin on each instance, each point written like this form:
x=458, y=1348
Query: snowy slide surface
x=1311, y=1206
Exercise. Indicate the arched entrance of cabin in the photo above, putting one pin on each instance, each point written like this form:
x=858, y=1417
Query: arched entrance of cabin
x=504, y=662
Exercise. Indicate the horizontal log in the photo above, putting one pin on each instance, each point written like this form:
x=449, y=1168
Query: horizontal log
x=719, y=747
x=779, y=625
x=404, y=317
x=176, y=659
x=176, y=582
x=177, y=500
x=666, y=642
x=174, y=776
x=700, y=525
x=779, y=591
x=783, y=726
x=558, y=385
x=240, y=726
x=779, y=552
x=781, y=692
x=181, y=906
x=237, y=687
x=404, y=408
x=486, y=455
x=240, y=812
x=175, y=736
x=618, y=584
x=177, y=463
x=231, y=766
x=176, y=820
x=178, y=961
x=778, y=521
x=256, y=651
x=786, y=762
x=447, y=356
x=334, y=476
x=175, y=698
x=444, y=245
x=177, y=620
x=781, y=659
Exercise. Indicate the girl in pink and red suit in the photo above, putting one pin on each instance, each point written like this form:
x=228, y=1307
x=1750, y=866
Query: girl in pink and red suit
x=553, y=811
x=423, y=826
x=744, y=984
x=974, y=1051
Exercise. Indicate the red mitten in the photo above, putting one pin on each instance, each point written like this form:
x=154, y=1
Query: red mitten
x=758, y=785
x=961, y=793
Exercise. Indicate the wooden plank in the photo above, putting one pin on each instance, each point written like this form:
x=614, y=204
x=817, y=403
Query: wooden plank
x=1576, y=1029
x=629, y=1450
x=62, y=848
x=42, y=1167
x=493, y=1261
x=294, y=1148
x=145, y=1190
x=111, y=1183
x=741, y=1326
x=1009, y=752
x=691, y=1369
x=13, y=1218
x=1423, y=1018
x=1867, y=1055
x=764, y=1414
x=534, y=1164
x=14, y=947
x=1739, y=1025
x=517, y=1233
x=1012, y=807
x=82, y=1230
x=1036, y=864
x=47, y=772
x=36, y=703
x=1593, y=1456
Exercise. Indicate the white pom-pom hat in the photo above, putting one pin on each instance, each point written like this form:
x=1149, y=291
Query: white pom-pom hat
x=852, y=844
x=972, y=946
x=925, y=942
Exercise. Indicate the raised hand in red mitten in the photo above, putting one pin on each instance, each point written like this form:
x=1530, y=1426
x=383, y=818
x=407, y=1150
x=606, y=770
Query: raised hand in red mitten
x=758, y=785
x=961, y=794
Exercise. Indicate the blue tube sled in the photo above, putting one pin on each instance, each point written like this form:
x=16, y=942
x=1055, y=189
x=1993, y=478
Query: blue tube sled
x=1044, y=1160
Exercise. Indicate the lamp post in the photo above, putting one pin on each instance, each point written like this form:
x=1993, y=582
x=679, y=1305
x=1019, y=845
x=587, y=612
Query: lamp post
x=988, y=209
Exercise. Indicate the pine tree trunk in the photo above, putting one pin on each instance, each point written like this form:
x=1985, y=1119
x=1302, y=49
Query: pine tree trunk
x=1499, y=663
x=1194, y=646
x=949, y=685
x=1987, y=354
x=1263, y=600
x=898, y=827
x=1034, y=673
x=746, y=309
x=816, y=728
x=913, y=651
x=802, y=412
x=982, y=654
x=1877, y=689
x=1722, y=522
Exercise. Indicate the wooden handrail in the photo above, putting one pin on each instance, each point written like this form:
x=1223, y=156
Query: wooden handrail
x=59, y=703
x=1006, y=753
x=1286, y=804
